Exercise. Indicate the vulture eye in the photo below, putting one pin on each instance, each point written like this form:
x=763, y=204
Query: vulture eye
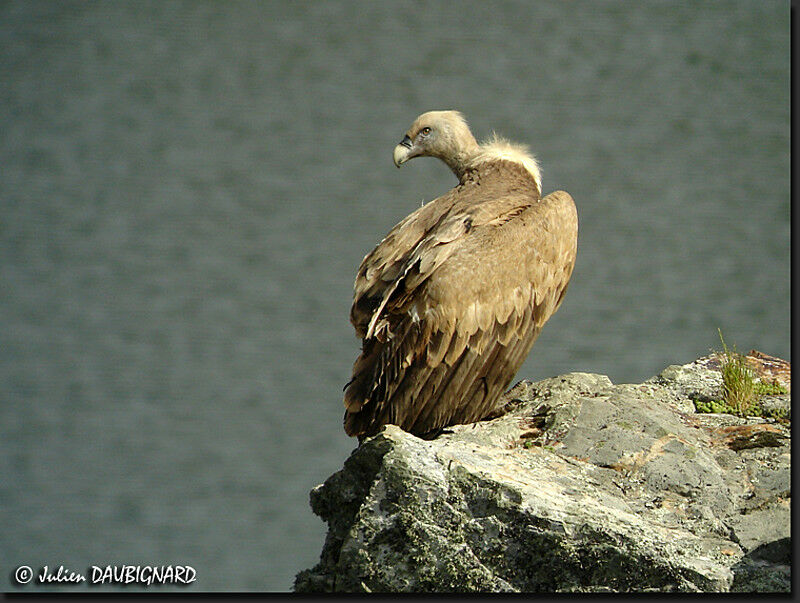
x=425, y=131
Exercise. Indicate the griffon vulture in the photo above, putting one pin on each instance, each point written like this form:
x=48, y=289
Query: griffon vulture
x=449, y=304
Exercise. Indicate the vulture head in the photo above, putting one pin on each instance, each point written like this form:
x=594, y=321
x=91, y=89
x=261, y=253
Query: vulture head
x=441, y=134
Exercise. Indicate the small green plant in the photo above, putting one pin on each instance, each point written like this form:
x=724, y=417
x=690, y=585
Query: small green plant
x=741, y=390
x=777, y=413
x=714, y=406
x=738, y=381
x=770, y=389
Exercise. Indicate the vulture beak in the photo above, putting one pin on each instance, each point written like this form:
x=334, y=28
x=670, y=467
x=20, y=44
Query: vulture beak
x=402, y=152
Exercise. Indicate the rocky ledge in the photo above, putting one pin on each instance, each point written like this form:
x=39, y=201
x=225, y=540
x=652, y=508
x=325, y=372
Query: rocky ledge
x=583, y=486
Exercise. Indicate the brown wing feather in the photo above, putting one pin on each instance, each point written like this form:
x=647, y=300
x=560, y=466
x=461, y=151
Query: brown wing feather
x=451, y=301
x=382, y=266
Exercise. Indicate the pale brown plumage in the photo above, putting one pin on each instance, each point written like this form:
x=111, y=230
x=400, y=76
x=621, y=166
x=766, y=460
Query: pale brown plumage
x=449, y=304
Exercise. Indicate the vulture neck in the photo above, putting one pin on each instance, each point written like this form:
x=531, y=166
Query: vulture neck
x=459, y=160
x=473, y=155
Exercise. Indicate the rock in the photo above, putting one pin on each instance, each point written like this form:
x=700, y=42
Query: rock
x=778, y=405
x=583, y=486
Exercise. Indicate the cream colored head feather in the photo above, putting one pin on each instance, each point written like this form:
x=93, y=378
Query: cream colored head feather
x=446, y=135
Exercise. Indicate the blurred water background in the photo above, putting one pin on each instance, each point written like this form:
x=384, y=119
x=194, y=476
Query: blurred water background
x=187, y=189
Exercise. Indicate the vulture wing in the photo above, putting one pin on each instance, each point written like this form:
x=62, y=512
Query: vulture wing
x=451, y=301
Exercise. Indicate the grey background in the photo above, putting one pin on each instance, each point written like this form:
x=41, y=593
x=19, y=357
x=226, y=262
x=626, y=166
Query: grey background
x=187, y=189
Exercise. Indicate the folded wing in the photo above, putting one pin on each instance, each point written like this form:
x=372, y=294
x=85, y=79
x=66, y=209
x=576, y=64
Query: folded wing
x=450, y=302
